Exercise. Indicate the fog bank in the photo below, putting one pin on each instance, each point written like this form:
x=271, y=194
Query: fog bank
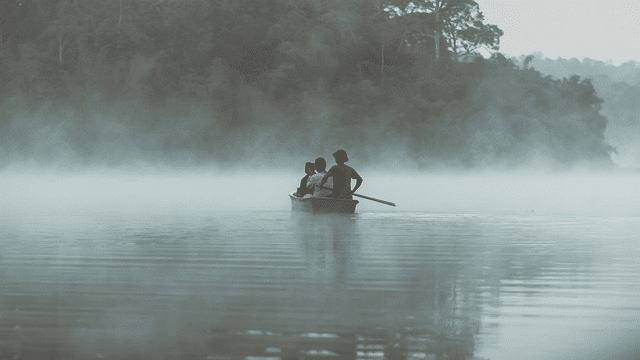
x=199, y=194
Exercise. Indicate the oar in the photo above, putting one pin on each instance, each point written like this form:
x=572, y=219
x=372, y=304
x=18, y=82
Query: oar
x=374, y=199
x=368, y=198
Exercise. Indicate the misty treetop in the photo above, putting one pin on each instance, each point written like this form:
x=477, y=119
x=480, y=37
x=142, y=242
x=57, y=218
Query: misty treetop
x=619, y=86
x=97, y=82
x=459, y=23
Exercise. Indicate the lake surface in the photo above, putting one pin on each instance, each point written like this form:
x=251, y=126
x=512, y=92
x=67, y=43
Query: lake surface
x=132, y=267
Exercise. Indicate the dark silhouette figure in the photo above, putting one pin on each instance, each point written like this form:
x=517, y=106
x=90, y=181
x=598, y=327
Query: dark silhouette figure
x=342, y=175
x=309, y=169
x=314, y=181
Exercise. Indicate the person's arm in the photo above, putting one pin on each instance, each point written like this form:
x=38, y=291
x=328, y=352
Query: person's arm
x=324, y=179
x=303, y=185
x=358, y=179
x=311, y=184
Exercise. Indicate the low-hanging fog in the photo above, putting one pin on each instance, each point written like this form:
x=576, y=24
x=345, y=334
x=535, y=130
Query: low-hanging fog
x=220, y=104
x=207, y=193
x=177, y=106
x=244, y=85
x=124, y=123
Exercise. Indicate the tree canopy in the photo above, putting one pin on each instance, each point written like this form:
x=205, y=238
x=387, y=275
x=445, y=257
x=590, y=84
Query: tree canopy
x=221, y=82
x=459, y=22
x=619, y=87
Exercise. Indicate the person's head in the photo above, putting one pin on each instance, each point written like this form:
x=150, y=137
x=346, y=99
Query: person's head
x=309, y=168
x=341, y=156
x=321, y=164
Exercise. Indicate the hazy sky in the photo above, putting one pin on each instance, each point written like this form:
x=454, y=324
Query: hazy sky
x=600, y=30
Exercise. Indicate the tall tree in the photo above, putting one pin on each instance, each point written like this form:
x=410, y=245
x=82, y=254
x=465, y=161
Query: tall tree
x=466, y=32
x=120, y=14
x=65, y=27
x=460, y=22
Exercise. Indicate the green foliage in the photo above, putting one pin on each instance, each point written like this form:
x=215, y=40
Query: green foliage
x=224, y=81
x=458, y=24
x=619, y=88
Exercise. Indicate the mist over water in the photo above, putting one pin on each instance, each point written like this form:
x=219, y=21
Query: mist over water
x=599, y=193
x=147, y=150
x=209, y=264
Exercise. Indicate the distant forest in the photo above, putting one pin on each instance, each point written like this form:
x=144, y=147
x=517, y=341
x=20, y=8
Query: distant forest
x=619, y=87
x=274, y=83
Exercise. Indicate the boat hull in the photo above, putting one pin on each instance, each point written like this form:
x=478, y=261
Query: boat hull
x=322, y=205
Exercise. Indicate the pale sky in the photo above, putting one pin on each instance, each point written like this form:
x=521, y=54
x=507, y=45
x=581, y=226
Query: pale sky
x=597, y=29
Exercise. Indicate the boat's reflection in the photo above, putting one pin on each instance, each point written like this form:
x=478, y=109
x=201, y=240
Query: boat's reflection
x=370, y=287
x=330, y=243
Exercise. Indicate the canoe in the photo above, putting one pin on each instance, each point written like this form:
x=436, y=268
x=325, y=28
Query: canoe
x=322, y=205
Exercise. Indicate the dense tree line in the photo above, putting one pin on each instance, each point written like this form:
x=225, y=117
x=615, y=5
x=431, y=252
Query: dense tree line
x=618, y=86
x=221, y=81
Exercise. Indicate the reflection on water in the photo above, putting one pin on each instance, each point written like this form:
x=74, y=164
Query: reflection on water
x=301, y=286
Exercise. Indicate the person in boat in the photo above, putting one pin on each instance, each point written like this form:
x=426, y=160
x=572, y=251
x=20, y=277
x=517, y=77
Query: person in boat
x=342, y=175
x=314, y=180
x=309, y=169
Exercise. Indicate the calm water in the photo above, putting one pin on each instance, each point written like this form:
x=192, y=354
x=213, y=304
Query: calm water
x=113, y=276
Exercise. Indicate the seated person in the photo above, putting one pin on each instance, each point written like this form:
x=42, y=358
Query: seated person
x=309, y=169
x=313, y=183
x=342, y=175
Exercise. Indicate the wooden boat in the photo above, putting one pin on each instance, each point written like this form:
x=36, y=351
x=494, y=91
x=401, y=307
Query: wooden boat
x=322, y=205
